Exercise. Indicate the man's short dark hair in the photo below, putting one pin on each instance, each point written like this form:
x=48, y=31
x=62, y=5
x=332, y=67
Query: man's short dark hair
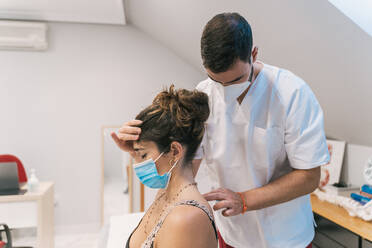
x=226, y=38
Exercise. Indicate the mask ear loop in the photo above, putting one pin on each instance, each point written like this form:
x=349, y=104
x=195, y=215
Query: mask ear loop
x=173, y=167
x=158, y=156
x=170, y=173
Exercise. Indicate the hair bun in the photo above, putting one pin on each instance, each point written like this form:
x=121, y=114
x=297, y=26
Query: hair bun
x=175, y=115
x=187, y=108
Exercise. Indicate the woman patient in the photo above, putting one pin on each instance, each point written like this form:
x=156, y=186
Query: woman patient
x=171, y=131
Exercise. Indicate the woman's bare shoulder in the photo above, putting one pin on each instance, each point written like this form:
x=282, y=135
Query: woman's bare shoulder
x=187, y=214
x=187, y=226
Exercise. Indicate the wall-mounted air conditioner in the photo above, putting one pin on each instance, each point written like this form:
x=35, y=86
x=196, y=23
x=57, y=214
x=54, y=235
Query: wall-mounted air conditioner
x=15, y=35
x=81, y=11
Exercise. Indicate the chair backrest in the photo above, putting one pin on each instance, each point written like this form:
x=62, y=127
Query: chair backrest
x=2, y=244
x=8, y=243
x=22, y=177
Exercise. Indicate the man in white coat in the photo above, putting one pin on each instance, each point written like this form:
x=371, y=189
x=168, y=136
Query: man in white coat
x=264, y=142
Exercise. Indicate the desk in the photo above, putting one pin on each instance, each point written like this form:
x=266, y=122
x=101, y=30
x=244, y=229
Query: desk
x=31, y=209
x=339, y=215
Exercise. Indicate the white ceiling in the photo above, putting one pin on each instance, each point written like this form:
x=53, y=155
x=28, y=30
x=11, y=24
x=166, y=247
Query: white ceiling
x=84, y=11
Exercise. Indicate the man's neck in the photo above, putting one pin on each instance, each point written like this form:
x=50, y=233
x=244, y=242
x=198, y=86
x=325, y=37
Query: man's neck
x=257, y=67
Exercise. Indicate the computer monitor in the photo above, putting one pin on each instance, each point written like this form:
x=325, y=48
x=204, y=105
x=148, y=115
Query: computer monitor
x=9, y=184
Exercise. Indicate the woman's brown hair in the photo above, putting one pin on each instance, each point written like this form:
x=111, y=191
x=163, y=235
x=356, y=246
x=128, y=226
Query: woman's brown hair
x=175, y=115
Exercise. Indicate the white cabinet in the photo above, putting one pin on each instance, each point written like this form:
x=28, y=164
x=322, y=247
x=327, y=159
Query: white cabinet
x=19, y=214
x=85, y=11
x=31, y=209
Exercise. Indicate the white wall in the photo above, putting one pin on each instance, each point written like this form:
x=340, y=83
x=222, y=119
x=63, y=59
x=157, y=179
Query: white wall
x=311, y=38
x=54, y=103
x=114, y=159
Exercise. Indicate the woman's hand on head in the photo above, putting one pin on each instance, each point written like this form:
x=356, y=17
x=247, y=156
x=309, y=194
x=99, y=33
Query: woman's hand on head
x=128, y=133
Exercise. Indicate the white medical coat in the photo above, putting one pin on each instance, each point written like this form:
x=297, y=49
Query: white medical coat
x=278, y=127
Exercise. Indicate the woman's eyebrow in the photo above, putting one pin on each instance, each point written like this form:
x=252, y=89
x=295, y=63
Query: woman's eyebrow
x=138, y=149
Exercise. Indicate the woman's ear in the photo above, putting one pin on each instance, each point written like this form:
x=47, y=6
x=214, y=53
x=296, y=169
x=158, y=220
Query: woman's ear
x=176, y=150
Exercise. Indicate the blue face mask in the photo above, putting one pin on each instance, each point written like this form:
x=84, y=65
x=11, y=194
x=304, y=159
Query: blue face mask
x=148, y=174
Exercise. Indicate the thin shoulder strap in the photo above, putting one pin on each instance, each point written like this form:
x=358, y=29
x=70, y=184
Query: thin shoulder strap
x=202, y=207
x=148, y=243
x=198, y=205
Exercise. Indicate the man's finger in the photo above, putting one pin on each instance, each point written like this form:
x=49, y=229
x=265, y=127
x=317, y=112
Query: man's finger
x=219, y=190
x=214, y=196
x=228, y=212
x=221, y=204
x=130, y=130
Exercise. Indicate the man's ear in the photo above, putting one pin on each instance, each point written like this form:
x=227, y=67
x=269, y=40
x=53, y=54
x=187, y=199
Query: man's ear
x=254, y=54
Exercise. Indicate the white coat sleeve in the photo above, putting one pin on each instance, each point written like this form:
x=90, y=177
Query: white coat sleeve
x=304, y=137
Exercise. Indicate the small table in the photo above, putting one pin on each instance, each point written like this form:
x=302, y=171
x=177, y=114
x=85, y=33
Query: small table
x=31, y=209
x=339, y=215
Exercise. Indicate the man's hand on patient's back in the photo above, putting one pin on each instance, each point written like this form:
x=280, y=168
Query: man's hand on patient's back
x=126, y=135
x=228, y=200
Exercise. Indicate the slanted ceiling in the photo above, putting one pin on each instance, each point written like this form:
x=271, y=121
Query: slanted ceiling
x=311, y=38
x=359, y=11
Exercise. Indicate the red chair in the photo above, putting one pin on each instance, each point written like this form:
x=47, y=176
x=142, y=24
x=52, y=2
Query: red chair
x=22, y=178
x=8, y=243
x=21, y=170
